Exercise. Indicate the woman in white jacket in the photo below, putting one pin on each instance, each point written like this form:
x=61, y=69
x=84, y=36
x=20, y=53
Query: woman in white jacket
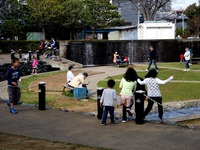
x=187, y=59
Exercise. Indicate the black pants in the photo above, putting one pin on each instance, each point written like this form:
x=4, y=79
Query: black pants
x=107, y=109
x=150, y=105
x=124, y=116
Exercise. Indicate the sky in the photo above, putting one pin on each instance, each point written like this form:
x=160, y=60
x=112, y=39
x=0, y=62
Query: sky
x=182, y=4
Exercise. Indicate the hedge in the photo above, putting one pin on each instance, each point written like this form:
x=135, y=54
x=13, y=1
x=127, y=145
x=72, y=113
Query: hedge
x=6, y=46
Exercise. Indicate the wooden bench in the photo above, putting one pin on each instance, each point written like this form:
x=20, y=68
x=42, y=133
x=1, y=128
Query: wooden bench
x=196, y=60
x=67, y=87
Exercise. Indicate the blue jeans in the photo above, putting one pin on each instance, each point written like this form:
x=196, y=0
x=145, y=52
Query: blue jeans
x=187, y=64
x=107, y=109
x=150, y=63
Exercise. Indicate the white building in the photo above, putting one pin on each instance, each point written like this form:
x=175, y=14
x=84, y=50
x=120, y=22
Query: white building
x=123, y=33
x=152, y=30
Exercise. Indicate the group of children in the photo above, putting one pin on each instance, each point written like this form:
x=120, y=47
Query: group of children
x=128, y=86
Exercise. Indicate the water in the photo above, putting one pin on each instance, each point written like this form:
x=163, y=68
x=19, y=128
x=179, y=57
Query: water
x=175, y=113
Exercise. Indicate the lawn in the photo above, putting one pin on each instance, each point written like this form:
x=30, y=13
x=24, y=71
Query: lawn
x=178, y=65
x=56, y=98
x=16, y=142
x=166, y=73
x=174, y=91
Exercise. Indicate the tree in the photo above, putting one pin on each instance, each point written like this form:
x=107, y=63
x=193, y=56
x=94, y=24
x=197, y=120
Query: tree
x=11, y=19
x=193, y=12
x=102, y=14
x=149, y=8
x=44, y=13
x=74, y=15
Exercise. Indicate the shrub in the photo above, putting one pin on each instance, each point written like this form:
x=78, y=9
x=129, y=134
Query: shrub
x=6, y=46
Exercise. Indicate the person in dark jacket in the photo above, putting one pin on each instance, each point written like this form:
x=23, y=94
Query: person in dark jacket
x=152, y=58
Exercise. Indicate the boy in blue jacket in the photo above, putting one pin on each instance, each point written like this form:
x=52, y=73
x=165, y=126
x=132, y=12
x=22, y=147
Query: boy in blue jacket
x=13, y=76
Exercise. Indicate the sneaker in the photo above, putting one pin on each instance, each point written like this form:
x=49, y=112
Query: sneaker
x=147, y=70
x=185, y=70
x=13, y=111
x=113, y=124
x=124, y=121
x=8, y=104
x=188, y=69
x=157, y=70
x=161, y=121
x=103, y=124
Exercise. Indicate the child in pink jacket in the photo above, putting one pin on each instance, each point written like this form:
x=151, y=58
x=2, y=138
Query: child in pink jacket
x=34, y=65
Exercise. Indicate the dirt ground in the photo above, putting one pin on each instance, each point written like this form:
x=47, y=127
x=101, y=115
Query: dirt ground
x=14, y=142
x=54, y=86
x=194, y=122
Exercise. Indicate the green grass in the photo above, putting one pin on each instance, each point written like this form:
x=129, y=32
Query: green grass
x=178, y=65
x=31, y=97
x=166, y=73
x=171, y=92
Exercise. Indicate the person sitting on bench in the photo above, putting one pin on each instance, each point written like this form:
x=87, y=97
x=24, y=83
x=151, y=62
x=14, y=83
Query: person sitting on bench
x=70, y=75
x=78, y=81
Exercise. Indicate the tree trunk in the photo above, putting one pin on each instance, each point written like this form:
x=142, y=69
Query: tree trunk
x=43, y=34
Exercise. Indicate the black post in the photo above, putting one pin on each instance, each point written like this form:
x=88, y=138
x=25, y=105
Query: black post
x=139, y=108
x=12, y=54
x=38, y=54
x=42, y=96
x=99, y=108
x=29, y=54
x=20, y=53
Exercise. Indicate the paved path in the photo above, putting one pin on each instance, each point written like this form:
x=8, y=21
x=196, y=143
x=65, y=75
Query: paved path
x=81, y=129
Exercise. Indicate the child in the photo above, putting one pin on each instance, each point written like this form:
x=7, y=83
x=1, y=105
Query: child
x=13, y=76
x=34, y=65
x=128, y=85
x=187, y=59
x=108, y=99
x=181, y=58
x=118, y=60
x=154, y=93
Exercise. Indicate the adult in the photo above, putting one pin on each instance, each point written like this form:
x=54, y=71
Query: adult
x=78, y=81
x=70, y=75
x=115, y=57
x=128, y=85
x=53, y=43
x=187, y=59
x=152, y=58
x=41, y=47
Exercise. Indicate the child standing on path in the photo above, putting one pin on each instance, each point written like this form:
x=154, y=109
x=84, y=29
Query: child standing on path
x=154, y=93
x=187, y=59
x=108, y=99
x=13, y=76
x=128, y=86
x=34, y=65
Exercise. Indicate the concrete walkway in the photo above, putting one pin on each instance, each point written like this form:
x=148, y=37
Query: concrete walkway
x=81, y=129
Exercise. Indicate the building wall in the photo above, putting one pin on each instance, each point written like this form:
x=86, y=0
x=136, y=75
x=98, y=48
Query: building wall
x=127, y=10
x=156, y=31
x=115, y=35
x=128, y=34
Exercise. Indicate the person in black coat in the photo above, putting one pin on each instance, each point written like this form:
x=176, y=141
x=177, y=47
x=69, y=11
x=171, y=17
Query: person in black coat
x=152, y=58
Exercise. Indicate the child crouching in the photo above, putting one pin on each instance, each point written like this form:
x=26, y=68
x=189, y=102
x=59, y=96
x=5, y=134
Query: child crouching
x=108, y=99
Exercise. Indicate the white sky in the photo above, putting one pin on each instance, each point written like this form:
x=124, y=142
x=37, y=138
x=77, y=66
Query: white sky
x=182, y=4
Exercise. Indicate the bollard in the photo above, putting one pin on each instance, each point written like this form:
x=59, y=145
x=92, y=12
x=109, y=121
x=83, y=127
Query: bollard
x=99, y=108
x=42, y=96
x=29, y=55
x=20, y=53
x=12, y=54
x=139, y=106
x=38, y=54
